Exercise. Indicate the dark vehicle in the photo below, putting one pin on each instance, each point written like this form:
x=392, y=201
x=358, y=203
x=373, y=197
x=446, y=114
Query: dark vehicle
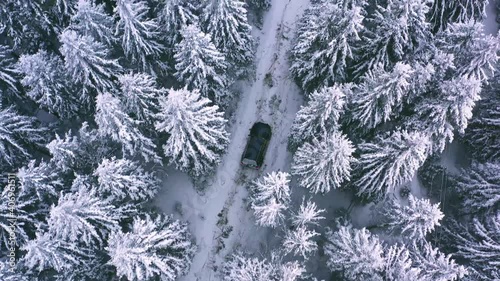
x=255, y=151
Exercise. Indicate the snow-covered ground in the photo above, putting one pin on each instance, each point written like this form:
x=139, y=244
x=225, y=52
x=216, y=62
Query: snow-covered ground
x=276, y=106
x=490, y=24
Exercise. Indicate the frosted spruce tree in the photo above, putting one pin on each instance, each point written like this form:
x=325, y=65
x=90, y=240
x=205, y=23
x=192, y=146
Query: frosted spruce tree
x=308, y=214
x=199, y=65
x=390, y=162
x=18, y=134
x=380, y=95
x=445, y=12
x=326, y=34
x=46, y=83
x=325, y=164
x=435, y=264
x=300, y=241
x=243, y=268
x=113, y=122
x=292, y=271
x=64, y=151
x=153, y=248
x=87, y=61
x=226, y=22
x=92, y=20
x=415, y=220
x=7, y=68
x=196, y=130
x=40, y=180
x=320, y=115
x=173, y=16
x=121, y=179
x=139, y=33
x=479, y=185
x=139, y=94
x=355, y=252
x=399, y=265
x=24, y=218
x=269, y=198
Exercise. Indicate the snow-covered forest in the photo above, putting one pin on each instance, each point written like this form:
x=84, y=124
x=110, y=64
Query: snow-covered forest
x=123, y=123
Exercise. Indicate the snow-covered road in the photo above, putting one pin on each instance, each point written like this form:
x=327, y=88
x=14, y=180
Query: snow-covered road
x=276, y=106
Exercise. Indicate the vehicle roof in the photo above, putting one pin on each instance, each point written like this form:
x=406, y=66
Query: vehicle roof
x=260, y=133
x=261, y=130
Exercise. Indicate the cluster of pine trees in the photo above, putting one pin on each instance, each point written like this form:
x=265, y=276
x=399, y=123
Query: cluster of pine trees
x=131, y=84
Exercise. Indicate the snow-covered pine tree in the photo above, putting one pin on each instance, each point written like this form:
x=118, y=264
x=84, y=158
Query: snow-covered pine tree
x=479, y=185
x=444, y=12
x=324, y=48
x=226, y=21
x=241, y=268
x=380, y=95
x=196, y=130
x=299, y=241
x=82, y=216
x=395, y=29
x=139, y=94
x=478, y=243
x=320, y=115
x=64, y=151
x=139, y=33
x=125, y=179
x=390, y=162
x=91, y=19
x=173, y=16
x=308, y=214
x=436, y=265
x=7, y=67
x=415, y=220
x=42, y=181
x=87, y=61
x=325, y=164
x=291, y=271
x=199, y=65
x=46, y=83
x=269, y=198
x=18, y=134
x=154, y=247
x=355, y=252
x=399, y=266
x=113, y=122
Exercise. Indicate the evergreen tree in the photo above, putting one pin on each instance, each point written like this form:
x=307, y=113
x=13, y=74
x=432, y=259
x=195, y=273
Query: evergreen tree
x=153, y=248
x=356, y=252
x=125, y=179
x=445, y=12
x=299, y=242
x=18, y=134
x=196, y=130
x=199, y=65
x=7, y=68
x=390, y=161
x=41, y=180
x=479, y=186
x=292, y=271
x=46, y=83
x=64, y=151
x=326, y=35
x=173, y=16
x=415, y=220
x=226, y=22
x=87, y=61
x=325, y=164
x=139, y=94
x=113, y=122
x=399, y=266
x=308, y=214
x=138, y=33
x=242, y=268
x=436, y=265
x=320, y=115
x=380, y=95
x=92, y=20
x=269, y=198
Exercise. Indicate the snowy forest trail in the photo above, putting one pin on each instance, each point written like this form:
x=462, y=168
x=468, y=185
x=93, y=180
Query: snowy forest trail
x=219, y=219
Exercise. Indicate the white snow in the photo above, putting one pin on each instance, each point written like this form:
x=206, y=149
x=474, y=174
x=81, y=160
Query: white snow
x=490, y=24
x=276, y=106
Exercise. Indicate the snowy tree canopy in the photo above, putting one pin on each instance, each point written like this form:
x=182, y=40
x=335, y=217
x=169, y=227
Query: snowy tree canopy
x=445, y=12
x=41, y=180
x=46, y=83
x=139, y=34
x=399, y=266
x=326, y=35
x=308, y=214
x=87, y=61
x=356, y=252
x=380, y=95
x=154, y=247
x=320, y=115
x=325, y=164
x=113, y=122
x=292, y=271
x=299, y=241
x=196, y=130
x=17, y=134
x=64, y=151
x=125, y=179
x=199, y=65
x=7, y=68
x=479, y=186
x=226, y=21
x=139, y=94
x=390, y=161
x=91, y=19
x=173, y=16
x=241, y=268
x=435, y=265
x=269, y=198
x=415, y=220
